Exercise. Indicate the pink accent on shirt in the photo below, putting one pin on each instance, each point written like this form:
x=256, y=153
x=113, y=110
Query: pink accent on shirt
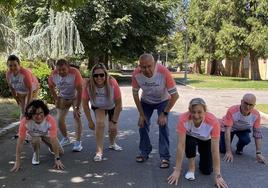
x=47, y=128
x=239, y=122
x=156, y=89
x=102, y=100
x=66, y=85
x=209, y=128
x=23, y=81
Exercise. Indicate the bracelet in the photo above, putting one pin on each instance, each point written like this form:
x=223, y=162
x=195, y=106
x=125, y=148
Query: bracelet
x=218, y=176
x=258, y=152
x=114, y=122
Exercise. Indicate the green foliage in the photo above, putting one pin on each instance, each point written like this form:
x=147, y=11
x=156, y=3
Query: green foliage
x=30, y=13
x=122, y=29
x=4, y=92
x=7, y=6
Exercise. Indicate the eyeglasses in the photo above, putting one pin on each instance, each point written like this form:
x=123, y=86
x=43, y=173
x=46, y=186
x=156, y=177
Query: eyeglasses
x=99, y=75
x=38, y=114
x=248, y=104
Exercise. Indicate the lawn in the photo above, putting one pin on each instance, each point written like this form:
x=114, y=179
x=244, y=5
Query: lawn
x=262, y=107
x=220, y=82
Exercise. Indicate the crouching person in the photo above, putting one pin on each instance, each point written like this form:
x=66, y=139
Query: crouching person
x=39, y=126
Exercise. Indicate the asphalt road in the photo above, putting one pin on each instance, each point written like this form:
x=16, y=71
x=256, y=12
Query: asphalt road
x=119, y=169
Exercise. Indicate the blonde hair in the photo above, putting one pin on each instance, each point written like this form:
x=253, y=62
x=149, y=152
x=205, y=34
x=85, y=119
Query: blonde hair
x=197, y=101
x=92, y=85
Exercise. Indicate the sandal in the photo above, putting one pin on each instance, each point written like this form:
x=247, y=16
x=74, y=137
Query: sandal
x=164, y=163
x=141, y=159
x=98, y=157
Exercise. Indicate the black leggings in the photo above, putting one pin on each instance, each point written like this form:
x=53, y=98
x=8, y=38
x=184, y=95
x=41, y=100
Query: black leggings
x=204, y=149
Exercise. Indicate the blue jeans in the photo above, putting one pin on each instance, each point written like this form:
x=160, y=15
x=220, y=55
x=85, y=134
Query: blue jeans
x=145, y=144
x=243, y=140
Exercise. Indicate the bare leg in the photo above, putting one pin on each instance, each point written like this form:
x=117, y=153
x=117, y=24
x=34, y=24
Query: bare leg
x=112, y=132
x=99, y=130
x=191, y=164
x=61, y=121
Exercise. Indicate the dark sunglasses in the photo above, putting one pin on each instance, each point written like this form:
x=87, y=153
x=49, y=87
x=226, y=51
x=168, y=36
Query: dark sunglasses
x=248, y=104
x=99, y=75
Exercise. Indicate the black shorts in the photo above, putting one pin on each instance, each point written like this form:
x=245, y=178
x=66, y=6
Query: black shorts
x=109, y=112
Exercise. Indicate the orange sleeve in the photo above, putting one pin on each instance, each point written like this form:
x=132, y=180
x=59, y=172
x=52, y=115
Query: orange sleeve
x=85, y=94
x=257, y=123
x=228, y=119
x=78, y=79
x=27, y=78
x=117, y=92
x=216, y=128
x=53, y=126
x=22, y=128
x=182, y=120
x=170, y=83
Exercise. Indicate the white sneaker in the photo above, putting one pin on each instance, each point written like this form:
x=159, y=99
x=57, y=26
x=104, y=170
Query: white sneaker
x=35, y=159
x=115, y=147
x=189, y=176
x=98, y=157
x=77, y=146
x=65, y=141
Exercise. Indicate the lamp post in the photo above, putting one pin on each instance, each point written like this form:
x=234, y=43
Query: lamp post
x=166, y=48
x=185, y=55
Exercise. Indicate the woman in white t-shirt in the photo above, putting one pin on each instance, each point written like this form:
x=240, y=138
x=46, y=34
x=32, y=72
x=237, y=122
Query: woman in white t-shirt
x=104, y=95
x=198, y=128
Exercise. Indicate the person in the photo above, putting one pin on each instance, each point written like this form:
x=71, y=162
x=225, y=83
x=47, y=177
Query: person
x=158, y=93
x=39, y=126
x=22, y=83
x=239, y=120
x=198, y=128
x=68, y=81
x=104, y=94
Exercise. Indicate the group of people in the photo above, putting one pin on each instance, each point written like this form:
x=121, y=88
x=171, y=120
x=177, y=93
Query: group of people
x=197, y=128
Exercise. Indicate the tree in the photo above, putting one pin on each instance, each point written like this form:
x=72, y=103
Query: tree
x=122, y=29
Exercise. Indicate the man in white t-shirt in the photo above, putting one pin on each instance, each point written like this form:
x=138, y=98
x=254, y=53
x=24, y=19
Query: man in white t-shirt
x=240, y=120
x=68, y=81
x=158, y=93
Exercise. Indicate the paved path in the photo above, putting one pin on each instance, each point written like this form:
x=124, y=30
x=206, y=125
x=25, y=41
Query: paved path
x=120, y=169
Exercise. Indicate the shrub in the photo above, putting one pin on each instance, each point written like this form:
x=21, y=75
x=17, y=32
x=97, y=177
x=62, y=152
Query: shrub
x=4, y=91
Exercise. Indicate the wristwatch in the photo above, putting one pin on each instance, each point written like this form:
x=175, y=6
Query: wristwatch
x=114, y=122
x=57, y=158
x=165, y=113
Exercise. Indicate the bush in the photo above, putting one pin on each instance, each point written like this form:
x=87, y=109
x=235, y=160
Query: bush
x=4, y=91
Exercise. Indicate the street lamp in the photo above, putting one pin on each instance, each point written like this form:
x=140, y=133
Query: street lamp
x=166, y=47
x=184, y=29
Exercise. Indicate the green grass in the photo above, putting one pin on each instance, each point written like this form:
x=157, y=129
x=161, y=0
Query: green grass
x=221, y=82
x=262, y=107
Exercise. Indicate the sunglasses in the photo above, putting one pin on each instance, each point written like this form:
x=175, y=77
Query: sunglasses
x=248, y=104
x=99, y=75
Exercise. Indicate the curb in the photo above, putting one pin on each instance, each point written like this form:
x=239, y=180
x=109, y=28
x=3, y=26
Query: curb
x=9, y=128
x=186, y=85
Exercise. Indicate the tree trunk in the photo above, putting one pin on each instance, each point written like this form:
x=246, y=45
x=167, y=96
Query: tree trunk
x=241, y=67
x=217, y=68
x=197, y=67
x=254, y=66
x=232, y=66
